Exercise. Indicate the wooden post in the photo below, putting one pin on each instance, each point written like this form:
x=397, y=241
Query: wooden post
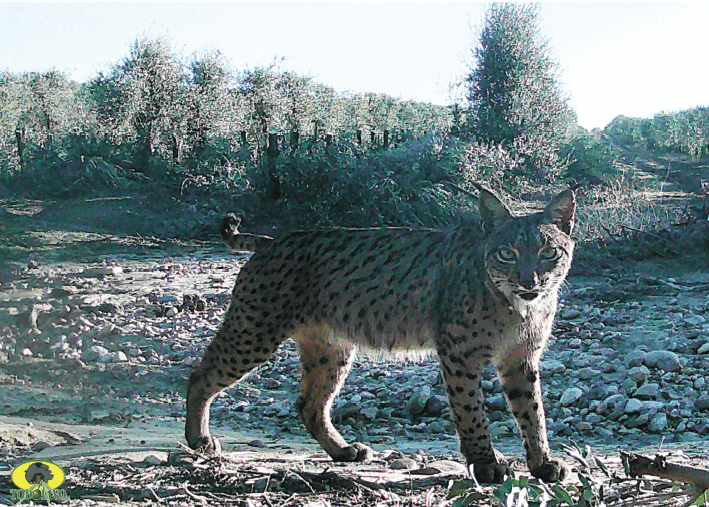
x=372, y=137
x=294, y=138
x=274, y=192
x=386, y=139
x=359, y=137
x=328, y=139
x=243, y=138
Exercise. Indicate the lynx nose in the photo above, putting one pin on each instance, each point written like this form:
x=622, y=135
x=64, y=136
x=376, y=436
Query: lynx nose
x=528, y=279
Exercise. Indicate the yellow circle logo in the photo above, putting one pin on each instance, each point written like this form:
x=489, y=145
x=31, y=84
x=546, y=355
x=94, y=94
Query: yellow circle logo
x=32, y=473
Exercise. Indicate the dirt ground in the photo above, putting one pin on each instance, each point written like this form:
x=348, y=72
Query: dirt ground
x=116, y=427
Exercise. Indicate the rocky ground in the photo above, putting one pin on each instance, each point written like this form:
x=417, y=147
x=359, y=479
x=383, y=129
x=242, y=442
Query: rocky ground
x=99, y=332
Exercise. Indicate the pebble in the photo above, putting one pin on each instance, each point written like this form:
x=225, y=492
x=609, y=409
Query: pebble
x=633, y=406
x=403, y=464
x=570, y=396
x=648, y=391
x=663, y=360
x=702, y=403
x=418, y=400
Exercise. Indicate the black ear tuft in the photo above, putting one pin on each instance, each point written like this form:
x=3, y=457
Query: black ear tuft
x=560, y=211
x=492, y=209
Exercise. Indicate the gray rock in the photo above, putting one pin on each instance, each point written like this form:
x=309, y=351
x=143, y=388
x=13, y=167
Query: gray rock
x=614, y=400
x=647, y=392
x=417, y=401
x=658, y=423
x=551, y=367
x=370, y=412
x=570, y=396
x=704, y=349
x=436, y=405
x=702, y=403
x=570, y=313
x=574, y=344
x=119, y=357
x=662, y=359
x=695, y=320
x=403, y=464
x=639, y=374
x=583, y=426
x=633, y=406
x=599, y=391
x=588, y=373
x=497, y=402
x=96, y=353
x=437, y=427
x=634, y=358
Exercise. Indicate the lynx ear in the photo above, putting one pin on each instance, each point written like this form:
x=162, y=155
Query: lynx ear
x=492, y=209
x=560, y=211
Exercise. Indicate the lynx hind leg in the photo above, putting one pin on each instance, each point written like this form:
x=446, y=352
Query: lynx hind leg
x=236, y=350
x=465, y=395
x=325, y=365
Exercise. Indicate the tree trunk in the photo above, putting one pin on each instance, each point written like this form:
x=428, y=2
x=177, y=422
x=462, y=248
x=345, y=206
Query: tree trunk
x=274, y=192
x=20, y=136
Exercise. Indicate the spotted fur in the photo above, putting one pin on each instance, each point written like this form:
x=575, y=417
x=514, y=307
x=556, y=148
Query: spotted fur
x=475, y=293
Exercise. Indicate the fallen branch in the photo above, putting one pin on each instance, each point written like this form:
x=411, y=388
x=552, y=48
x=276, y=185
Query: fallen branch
x=641, y=465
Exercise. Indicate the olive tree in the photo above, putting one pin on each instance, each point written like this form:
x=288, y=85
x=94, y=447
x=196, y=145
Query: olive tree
x=513, y=89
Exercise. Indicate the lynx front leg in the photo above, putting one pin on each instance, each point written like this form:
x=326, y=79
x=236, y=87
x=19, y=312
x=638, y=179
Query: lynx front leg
x=465, y=395
x=522, y=387
x=325, y=364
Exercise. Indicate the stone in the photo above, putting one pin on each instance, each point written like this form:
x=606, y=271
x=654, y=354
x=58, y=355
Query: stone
x=417, y=401
x=588, y=373
x=583, y=426
x=119, y=357
x=436, y=406
x=570, y=396
x=639, y=374
x=437, y=427
x=97, y=353
x=633, y=406
x=647, y=392
x=497, y=402
x=658, y=423
x=634, y=358
x=702, y=403
x=403, y=464
x=704, y=349
x=695, y=320
x=370, y=413
x=570, y=313
x=663, y=360
x=551, y=367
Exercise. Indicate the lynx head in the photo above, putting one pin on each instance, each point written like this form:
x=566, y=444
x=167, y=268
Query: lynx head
x=527, y=257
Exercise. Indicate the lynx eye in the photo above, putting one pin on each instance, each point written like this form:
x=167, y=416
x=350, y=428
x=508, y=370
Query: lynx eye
x=506, y=255
x=549, y=254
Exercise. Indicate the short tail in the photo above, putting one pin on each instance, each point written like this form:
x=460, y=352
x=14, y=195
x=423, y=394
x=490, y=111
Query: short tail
x=240, y=241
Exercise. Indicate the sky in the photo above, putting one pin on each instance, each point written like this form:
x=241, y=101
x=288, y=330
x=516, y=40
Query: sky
x=634, y=59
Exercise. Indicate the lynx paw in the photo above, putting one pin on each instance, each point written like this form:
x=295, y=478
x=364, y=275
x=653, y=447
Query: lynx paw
x=207, y=445
x=355, y=452
x=552, y=471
